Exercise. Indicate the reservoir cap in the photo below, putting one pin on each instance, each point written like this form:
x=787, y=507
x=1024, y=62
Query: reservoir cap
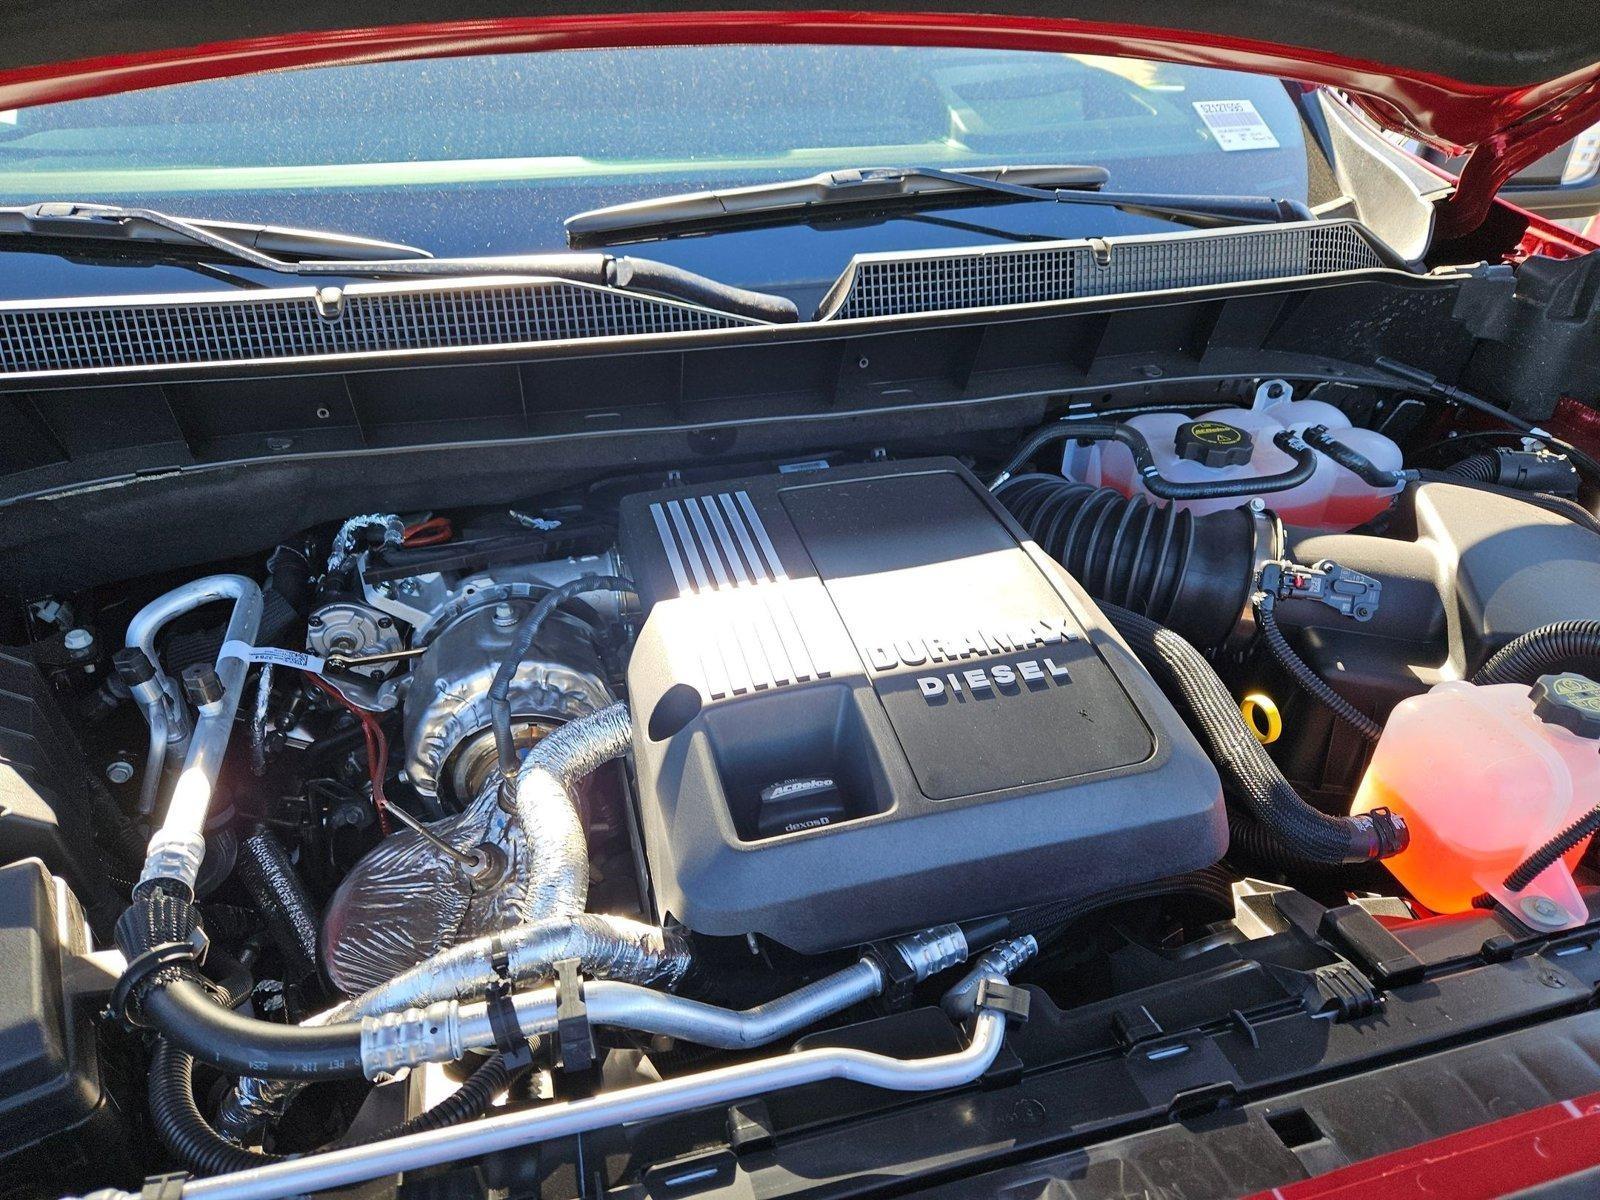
x=1213, y=444
x=1569, y=700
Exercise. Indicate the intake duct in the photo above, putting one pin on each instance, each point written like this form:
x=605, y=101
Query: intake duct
x=1192, y=574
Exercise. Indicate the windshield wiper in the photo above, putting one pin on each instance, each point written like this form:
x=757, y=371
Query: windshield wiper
x=800, y=199
x=115, y=224
x=318, y=254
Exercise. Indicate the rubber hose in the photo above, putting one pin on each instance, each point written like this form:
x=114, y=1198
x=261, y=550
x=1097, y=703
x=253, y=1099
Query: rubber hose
x=1484, y=468
x=467, y=1103
x=175, y=1001
x=1249, y=839
x=181, y=1125
x=1305, y=462
x=1358, y=464
x=1310, y=682
x=1190, y=573
x=265, y=870
x=1536, y=863
x=1548, y=649
x=1247, y=770
x=521, y=644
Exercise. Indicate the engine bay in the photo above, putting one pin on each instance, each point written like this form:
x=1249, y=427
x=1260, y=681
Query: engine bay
x=1194, y=752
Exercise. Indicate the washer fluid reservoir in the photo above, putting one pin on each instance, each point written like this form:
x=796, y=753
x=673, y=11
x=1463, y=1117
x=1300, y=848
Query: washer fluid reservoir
x=1484, y=776
x=1236, y=443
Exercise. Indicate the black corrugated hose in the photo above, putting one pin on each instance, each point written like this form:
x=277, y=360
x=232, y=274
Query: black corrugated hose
x=181, y=1125
x=1535, y=864
x=1483, y=467
x=185, y=1131
x=1248, y=772
x=1190, y=573
x=1548, y=649
x=1310, y=682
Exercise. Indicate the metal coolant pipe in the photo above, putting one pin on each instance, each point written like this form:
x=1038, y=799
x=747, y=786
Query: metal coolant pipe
x=178, y=846
x=356, y=1164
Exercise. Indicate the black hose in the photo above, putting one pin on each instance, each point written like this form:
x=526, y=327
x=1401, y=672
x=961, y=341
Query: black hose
x=1247, y=770
x=1483, y=468
x=1543, y=651
x=1190, y=573
x=1358, y=464
x=467, y=1103
x=1310, y=682
x=1424, y=381
x=521, y=644
x=183, y=1128
x=1305, y=462
x=176, y=1002
x=1545, y=856
x=265, y=870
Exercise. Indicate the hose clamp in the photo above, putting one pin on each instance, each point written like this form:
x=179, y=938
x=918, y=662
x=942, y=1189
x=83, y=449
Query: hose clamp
x=124, y=1003
x=1268, y=545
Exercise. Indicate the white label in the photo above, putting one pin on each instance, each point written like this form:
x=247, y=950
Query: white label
x=1236, y=125
x=272, y=655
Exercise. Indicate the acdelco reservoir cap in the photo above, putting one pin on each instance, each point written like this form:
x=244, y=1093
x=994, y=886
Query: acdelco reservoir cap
x=1213, y=444
x=1569, y=700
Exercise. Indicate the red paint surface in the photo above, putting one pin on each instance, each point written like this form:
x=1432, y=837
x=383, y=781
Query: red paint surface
x=1509, y=126
x=1488, y=1161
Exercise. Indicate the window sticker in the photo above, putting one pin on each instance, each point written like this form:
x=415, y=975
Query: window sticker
x=1236, y=125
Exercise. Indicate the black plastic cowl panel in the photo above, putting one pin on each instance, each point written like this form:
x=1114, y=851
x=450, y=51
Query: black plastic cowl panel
x=989, y=740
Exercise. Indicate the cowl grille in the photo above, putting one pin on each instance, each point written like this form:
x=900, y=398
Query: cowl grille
x=296, y=324
x=883, y=285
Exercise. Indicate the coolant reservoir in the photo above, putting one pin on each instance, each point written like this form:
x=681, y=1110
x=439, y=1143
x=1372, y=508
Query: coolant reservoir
x=1236, y=443
x=1484, y=776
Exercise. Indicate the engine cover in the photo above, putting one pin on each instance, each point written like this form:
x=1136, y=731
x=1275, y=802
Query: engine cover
x=864, y=703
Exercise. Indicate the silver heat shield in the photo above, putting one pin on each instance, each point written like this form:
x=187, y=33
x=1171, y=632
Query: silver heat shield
x=408, y=899
x=417, y=893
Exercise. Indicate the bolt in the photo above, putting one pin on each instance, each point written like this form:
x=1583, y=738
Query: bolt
x=385, y=622
x=77, y=640
x=314, y=620
x=504, y=615
x=1543, y=911
x=1258, y=505
x=119, y=771
x=410, y=587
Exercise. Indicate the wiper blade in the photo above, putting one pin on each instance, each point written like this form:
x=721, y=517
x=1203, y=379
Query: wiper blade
x=115, y=224
x=799, y=199
x=344, y=255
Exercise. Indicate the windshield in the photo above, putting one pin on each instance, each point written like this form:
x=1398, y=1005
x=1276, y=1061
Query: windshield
x=487, y=155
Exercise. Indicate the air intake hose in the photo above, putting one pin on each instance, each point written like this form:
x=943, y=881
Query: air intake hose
x=1191, y=573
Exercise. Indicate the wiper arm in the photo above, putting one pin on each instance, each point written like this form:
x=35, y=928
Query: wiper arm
x=798, y=199
x=345, y=255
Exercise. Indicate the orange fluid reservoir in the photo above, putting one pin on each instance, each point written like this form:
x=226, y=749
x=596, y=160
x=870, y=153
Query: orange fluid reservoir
x=1484, y=776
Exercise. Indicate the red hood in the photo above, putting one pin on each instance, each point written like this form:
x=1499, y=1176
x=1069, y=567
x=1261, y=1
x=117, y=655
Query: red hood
x=1509, y=80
